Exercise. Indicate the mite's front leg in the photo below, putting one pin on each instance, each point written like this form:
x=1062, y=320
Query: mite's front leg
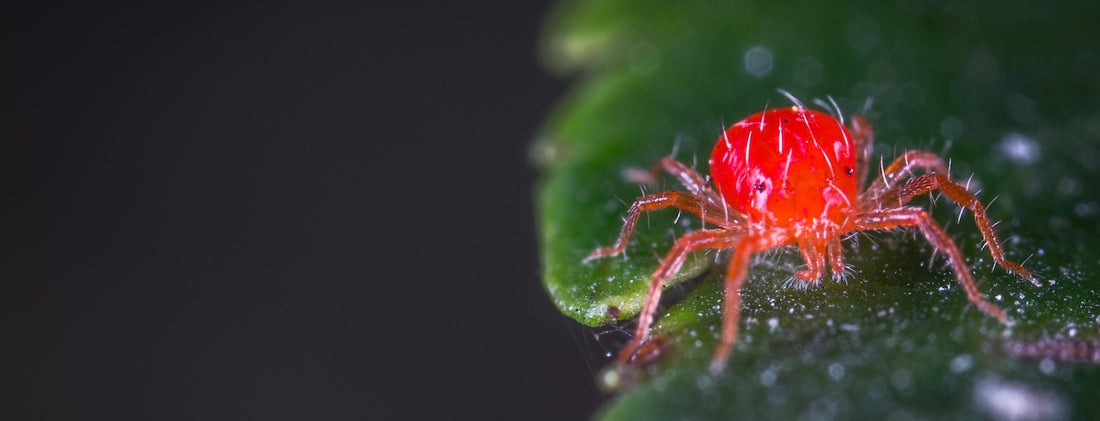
x=814, y=255
x=736, y=275
x=690, y=242
x=680, y=200
x=687, y=176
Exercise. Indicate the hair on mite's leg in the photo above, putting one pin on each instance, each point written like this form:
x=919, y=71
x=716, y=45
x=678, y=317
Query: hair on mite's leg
x=917, y=217
x=692, y=241
x=680, y=200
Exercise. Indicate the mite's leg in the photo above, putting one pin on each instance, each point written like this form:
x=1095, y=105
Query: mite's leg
x=814, y=255
x=836, y=257
x=693, y=241
x=899, y=170
x=911, y=216
x=736, y=275
x=864, y=146
x=934, y=181
x=691, y=179
x=680, y=200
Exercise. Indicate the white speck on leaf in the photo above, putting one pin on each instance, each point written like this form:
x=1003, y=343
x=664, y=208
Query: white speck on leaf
x=1047, y=366
x=961, y=363
x=836, y=371
x=1016, y=401
x=1019, y=148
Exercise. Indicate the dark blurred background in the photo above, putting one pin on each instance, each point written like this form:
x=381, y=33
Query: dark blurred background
x=273, y=211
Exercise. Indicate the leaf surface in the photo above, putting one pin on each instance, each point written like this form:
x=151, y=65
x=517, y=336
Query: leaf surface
x=1008, y=93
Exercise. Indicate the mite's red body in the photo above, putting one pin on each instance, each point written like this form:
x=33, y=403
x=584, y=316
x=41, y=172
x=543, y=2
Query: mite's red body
x=792, y=176
x=787, y=168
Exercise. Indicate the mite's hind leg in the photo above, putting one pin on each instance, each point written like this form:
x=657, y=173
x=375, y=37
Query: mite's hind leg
x=911, y=216
x=680, y=200
x=693, y=241
x=934, y=181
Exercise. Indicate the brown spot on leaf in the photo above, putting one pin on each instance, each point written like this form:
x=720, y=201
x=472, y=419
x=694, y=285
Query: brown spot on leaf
x=613, y=312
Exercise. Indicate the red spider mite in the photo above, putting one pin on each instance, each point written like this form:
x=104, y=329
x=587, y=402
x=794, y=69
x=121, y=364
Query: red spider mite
x=792, y=176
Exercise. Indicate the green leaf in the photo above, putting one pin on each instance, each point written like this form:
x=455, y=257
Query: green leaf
x=1009, y=92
